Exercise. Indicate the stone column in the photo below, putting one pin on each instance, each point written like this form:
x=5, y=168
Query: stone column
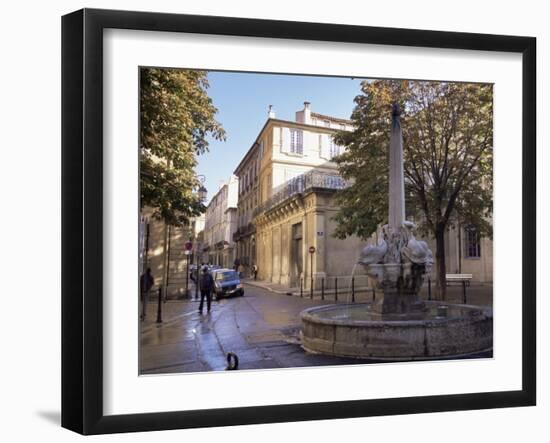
x=397, y=188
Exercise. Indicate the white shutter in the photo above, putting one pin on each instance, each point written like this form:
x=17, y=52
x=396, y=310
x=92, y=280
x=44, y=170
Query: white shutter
x=307, y=144
x=285, y=140
x=325, y=146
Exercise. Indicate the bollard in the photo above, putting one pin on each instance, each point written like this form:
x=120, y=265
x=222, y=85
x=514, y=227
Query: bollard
x=323, y=288
x=373, y=294
x=197, y=282
x=311, y=290
x=429, y=288
x=187, y=277
x=353, y=289
x=159, y=309
x=301, y=288
x=464, y=291
x=232, y=362
x=336, y=289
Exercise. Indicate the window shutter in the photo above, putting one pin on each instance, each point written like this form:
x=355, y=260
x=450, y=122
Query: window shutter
x=325, y=146
x=285, y=140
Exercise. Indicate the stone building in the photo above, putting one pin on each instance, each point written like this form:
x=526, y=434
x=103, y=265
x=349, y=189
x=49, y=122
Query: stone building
x=248, y=172
x=162, y=248
x=285, y=201
x=220, y=224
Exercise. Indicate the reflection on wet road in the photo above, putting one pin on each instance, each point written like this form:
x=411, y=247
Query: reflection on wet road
x=262, y=328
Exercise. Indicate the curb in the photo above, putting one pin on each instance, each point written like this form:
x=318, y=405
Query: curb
x=267, y=288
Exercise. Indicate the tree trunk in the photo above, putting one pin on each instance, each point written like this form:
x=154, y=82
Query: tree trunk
x=440, y=260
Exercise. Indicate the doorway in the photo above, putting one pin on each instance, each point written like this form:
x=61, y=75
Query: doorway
x=296, y=265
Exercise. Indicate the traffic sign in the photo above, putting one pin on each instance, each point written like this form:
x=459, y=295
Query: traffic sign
x=188, y=246
x=312, y=249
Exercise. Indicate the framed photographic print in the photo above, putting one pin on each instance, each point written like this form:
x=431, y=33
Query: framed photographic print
x=269, y=221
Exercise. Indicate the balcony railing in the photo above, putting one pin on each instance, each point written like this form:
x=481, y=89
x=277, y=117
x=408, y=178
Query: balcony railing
x=300, y=184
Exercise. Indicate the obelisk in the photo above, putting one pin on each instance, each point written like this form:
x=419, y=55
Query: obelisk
x=397, y=187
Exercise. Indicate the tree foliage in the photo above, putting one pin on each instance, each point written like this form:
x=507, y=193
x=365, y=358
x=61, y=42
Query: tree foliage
x=447, y=140
x=176, y=119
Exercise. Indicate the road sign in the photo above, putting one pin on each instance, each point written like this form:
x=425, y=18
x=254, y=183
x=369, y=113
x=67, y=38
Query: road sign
x=188, y=246
x=312, y=249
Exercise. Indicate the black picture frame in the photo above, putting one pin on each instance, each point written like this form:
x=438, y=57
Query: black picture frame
x=82, y=218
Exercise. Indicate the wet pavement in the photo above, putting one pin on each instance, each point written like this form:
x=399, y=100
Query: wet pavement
x=262, y=329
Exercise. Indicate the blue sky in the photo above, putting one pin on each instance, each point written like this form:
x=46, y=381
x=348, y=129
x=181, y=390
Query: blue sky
x=242, y=100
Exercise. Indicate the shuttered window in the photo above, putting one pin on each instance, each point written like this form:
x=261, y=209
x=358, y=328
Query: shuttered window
x=296, y=141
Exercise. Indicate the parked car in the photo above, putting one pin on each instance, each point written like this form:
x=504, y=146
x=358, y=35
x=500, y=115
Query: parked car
x=227, y=283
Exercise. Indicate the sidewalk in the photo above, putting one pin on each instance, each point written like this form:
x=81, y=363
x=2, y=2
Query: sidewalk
x=476, y=294
x=273, y=287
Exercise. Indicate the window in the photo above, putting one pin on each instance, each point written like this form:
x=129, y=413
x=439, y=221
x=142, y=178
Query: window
x=327, y=123
x=472, y=243
x=296, y=141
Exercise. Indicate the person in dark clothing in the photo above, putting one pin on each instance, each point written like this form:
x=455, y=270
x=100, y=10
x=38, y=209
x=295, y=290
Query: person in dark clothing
x=206, y=285
x=146, y=282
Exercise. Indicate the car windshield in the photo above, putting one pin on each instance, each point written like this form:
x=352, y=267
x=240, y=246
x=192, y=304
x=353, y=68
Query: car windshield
x=226, y=276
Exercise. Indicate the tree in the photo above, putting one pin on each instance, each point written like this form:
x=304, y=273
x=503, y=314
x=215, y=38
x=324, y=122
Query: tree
x=177, y=117
x=447, y=138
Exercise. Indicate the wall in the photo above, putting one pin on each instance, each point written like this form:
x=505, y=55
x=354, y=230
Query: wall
x=30, y=382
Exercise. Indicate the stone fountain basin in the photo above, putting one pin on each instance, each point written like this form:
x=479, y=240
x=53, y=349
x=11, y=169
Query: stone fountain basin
x=354, y=330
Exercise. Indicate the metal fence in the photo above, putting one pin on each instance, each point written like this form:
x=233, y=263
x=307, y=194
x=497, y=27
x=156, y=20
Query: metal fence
x=346, y=288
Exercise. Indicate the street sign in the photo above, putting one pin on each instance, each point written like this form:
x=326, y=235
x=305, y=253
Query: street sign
x=188, y=246
x=312, y=249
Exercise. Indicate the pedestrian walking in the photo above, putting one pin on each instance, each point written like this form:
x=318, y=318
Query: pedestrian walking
x=206, y=285
x=241, y=270
x=146, y=282
x=255, y=271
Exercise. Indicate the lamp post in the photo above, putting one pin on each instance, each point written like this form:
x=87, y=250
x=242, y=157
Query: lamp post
x=202, y=194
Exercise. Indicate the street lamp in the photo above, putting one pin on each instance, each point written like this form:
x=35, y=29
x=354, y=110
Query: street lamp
x=202, y=191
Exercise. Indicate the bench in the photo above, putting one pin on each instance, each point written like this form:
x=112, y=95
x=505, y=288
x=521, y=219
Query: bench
x=463, y=279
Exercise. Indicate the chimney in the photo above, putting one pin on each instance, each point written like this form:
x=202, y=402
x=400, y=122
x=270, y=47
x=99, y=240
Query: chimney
x=307, y=113
x=304, y=116
x=270, y=112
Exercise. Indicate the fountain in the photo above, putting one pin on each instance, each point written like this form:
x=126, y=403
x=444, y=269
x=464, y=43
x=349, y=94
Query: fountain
x=398, y=325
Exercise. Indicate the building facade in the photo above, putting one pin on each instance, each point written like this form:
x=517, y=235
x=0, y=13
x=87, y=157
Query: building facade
x=162, y=248
x=220, y=225
x=288, y=204
x=248, y=173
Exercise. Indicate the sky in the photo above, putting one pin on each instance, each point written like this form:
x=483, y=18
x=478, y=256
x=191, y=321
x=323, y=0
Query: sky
x=242, y=100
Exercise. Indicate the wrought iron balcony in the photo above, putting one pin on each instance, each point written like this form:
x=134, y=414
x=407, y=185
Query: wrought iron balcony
x=299, y=185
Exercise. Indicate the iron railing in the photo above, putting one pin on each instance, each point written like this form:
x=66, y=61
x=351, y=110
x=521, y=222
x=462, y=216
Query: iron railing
x=300, y=184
